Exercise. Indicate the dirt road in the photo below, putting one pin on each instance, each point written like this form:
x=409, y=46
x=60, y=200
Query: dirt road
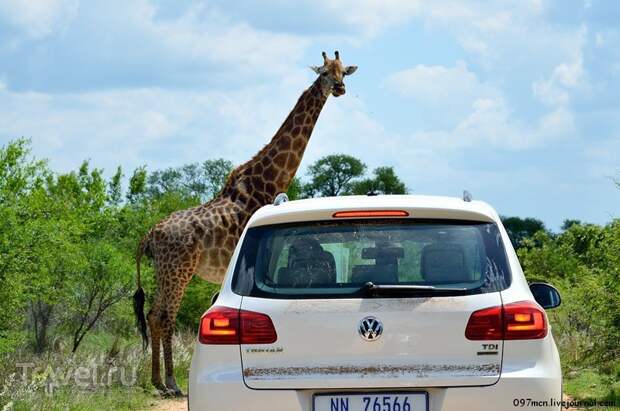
x=176, y=404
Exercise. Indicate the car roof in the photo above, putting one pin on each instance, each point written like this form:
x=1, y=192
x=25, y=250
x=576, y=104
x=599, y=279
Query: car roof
x=418, y=206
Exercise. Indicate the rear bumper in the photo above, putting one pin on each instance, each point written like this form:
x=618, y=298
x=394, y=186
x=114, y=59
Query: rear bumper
x=223, y=389
x=501, y=396
x=531, y=379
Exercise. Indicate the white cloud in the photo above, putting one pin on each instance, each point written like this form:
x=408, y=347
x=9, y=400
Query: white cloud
x=435, y=84
x=480, y=112
x=557, y=124
x=38, y=18
x=164, y=84
x=162, y=127
x=566, y=76
x=491, y=123
x=370, y=16
x=475, y=46
x=236, y=46
x=603, y=158
x=511, y=38
x=116, y=44
x=548, y=93
x=429, y=162
x=346, y=126
x=599, y=39
x=439, y=86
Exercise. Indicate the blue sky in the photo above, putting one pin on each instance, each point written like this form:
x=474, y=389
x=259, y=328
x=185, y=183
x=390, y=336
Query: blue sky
x=516, y=101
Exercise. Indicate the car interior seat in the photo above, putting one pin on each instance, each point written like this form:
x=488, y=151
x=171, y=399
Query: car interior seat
x=385, y=269
x=308, y=264
x=444, y=263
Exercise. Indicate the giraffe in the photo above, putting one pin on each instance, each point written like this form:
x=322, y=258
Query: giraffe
x=201, y=240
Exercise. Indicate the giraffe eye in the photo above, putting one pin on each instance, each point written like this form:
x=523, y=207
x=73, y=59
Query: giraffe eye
x=324, y=74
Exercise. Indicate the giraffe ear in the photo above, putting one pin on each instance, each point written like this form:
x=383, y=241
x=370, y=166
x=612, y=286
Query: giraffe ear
x=349, y=70
x=318, y=69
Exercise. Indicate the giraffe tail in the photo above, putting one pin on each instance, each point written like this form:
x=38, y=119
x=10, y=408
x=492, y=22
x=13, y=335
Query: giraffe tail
x=139, y=296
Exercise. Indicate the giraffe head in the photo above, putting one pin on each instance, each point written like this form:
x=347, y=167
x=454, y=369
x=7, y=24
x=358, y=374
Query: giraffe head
x=332, y=73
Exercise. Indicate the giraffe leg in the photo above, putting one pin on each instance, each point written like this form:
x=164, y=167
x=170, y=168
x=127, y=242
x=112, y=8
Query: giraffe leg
x=172, y=309
x=170, y=380
x=172, y=280
x=155, y=328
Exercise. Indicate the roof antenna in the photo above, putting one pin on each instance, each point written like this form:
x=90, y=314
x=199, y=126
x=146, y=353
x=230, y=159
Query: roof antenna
x=466, y=196
x=280, y=199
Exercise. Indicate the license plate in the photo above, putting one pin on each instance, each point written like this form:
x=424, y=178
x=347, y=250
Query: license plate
x=377, y=401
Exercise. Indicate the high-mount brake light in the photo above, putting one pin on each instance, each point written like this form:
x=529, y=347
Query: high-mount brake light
x=225, y=325
x=523, y=320
x=370, y=213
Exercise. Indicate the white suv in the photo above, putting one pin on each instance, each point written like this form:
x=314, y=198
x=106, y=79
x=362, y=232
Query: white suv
x=376, y=303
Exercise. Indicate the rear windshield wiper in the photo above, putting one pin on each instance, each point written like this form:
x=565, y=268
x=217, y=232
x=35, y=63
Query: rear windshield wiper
x=407, y=289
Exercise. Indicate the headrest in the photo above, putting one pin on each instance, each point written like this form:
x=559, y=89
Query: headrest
x=304, y=248
x=308, y=264
x=444, y=262
x=373, y=253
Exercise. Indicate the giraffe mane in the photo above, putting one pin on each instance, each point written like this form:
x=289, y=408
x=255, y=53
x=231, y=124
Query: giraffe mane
x=234, y=174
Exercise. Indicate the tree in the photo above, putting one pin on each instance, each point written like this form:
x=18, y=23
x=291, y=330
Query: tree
x=67, y=245
x=91, y=291
x=19, y=176
x=295, y=189
x=385, y=181
x=584, y=263
x=521, y=228
x=39, y=240
x=55, y=245
x=137, y=184
x=18, y=172
x=568, y=223
x=216, y=171
x=195, y=180
x=333, y=175
x=115, y=188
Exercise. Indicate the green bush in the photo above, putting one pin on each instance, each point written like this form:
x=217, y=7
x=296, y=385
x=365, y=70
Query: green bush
x=584, y=263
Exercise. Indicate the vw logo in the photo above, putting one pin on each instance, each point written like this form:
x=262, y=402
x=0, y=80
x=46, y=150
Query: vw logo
x=370, y=328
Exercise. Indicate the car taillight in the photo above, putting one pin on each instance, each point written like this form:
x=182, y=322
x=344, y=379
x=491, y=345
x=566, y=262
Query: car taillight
x=485, y=324
x=522, y=320
x=219, y=325
x=225, y=325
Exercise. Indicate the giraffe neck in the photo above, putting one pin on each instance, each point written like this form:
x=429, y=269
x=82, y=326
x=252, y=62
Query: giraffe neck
x=256, y=182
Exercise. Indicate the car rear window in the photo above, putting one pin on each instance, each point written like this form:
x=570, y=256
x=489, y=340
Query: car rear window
x=336, y=259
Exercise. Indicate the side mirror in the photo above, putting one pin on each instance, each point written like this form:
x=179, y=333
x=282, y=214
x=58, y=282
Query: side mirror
x=546, y=295
x=214, y=297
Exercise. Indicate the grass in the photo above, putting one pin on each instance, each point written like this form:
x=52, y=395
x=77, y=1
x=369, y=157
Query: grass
x=118, y=398
x=107, y=373
x=589, y=384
